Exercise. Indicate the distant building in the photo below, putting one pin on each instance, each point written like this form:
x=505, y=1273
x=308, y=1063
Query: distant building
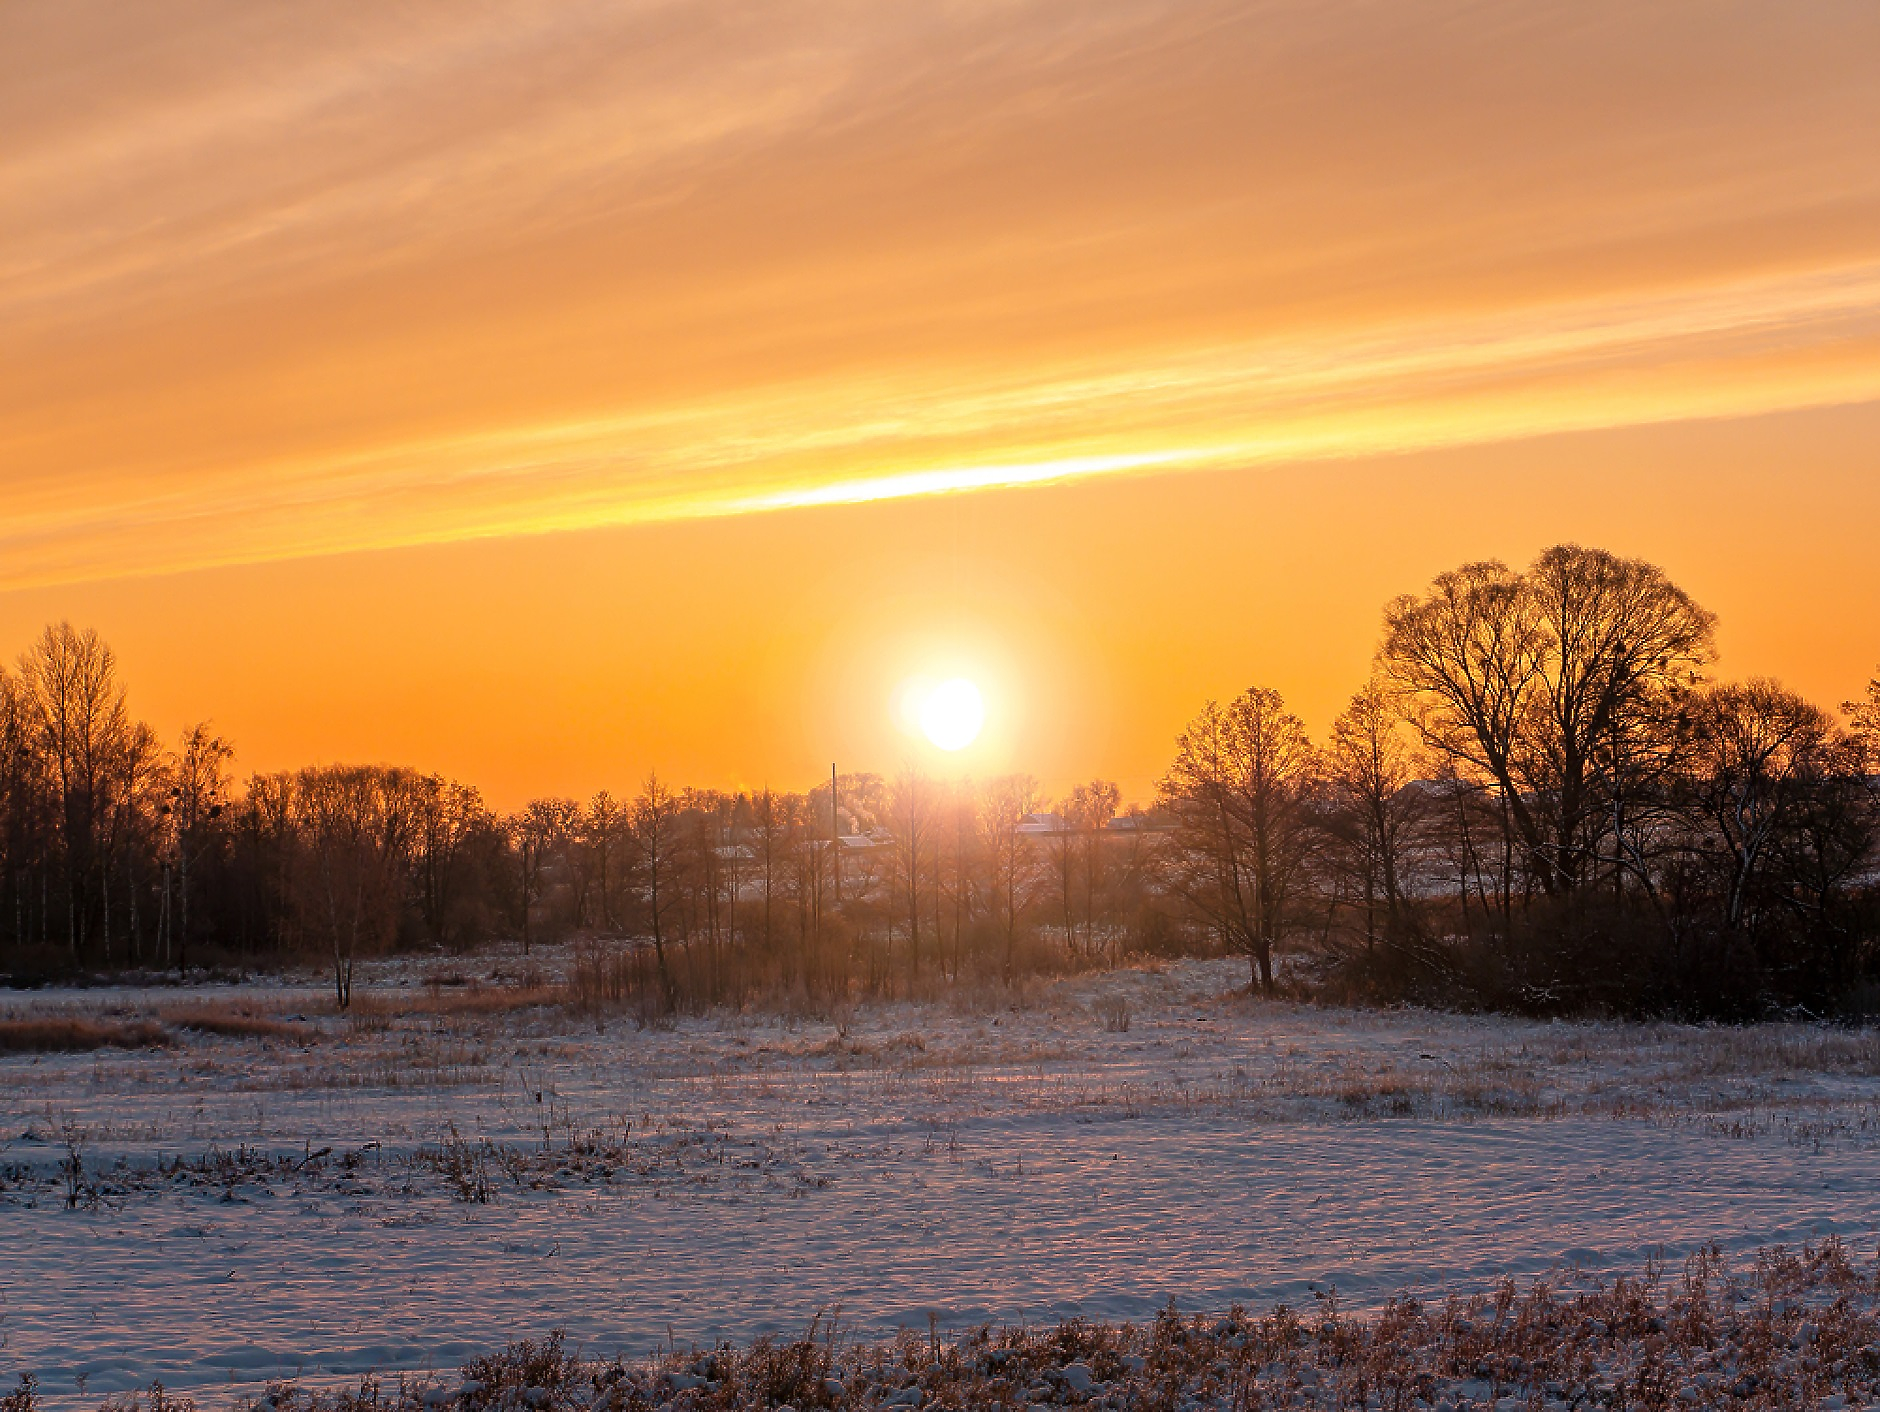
x=1139, y=823
x=1132, y=825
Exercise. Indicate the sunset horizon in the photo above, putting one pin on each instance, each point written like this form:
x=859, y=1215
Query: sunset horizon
x=852, y=710
x=412, y=365
x=823, y=706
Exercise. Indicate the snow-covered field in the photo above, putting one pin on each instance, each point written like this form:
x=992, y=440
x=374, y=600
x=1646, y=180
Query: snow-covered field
x=422, y=1182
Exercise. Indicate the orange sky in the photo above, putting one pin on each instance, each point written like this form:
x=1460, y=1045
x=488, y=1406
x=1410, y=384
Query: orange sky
x=545, y=391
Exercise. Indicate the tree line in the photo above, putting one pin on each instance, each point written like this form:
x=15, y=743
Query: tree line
x=118, y=853
x=1539, y=800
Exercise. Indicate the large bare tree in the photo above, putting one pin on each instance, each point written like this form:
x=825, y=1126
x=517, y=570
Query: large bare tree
x=80, y=728
x=1238, y=792
x=1526, y=682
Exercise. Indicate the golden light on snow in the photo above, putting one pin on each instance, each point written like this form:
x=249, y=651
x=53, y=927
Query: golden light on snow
x=950, y=714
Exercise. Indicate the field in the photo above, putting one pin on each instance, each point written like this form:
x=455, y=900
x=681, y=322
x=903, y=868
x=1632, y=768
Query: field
x=248, y=1187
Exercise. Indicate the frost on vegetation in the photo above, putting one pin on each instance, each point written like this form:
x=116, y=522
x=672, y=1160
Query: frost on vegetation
x=1129, y=1039
x=663, y=1158
x=1789, y=1330
x=1267, y=1141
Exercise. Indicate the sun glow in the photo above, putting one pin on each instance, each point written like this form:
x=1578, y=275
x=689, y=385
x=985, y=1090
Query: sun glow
x=951, y=713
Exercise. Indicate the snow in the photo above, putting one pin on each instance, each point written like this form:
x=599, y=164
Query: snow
x=735, y=1176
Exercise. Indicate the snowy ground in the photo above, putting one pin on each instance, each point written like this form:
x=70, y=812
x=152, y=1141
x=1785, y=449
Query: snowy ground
x=735, y=1176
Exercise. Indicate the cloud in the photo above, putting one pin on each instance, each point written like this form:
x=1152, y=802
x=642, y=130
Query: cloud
x=278, y=285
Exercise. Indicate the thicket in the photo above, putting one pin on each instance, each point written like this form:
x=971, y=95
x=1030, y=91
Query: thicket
x=1539, y=801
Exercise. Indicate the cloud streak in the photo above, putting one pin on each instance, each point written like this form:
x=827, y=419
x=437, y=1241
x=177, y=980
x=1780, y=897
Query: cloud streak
x=382, y=280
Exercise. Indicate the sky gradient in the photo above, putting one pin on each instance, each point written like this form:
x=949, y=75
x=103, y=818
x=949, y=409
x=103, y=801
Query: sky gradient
x=543, y=392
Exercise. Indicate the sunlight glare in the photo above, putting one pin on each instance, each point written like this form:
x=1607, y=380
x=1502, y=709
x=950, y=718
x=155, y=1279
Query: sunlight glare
x=952, y=713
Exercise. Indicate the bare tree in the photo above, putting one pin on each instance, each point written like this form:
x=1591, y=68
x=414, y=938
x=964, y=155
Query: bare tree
x=1238, y=794
x=955, y=864
x=1757, y=758
x=654, y=820
x=536, y=834
x=198, y=797
x=600, y=828
x=1864, y=719
x=913, y=819
x=1087, y=811
x=1521, y=680
x=355, y=833
x=770, y=831
x=1011, y=863
x=449, y=821
x=23, y=795
x=80, y=721
x=134, y=782
x=1375, y=809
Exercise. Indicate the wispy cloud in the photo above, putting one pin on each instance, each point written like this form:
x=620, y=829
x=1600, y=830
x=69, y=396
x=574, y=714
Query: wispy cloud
x=373, y=279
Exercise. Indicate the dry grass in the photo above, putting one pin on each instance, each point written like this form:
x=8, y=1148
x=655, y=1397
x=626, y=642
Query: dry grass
x=1793, y=1330
x=235, y=1021
x=439, y=1060
x=72, y=1034
x=473, y=1001
x=1782, y=1049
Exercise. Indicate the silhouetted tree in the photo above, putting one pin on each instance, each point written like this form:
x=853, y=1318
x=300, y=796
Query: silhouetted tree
x=1521, y=681
x=1864, y=720
x=1012, y=865
x=1784, y=823
x=654, y=821
x=79, y=724
x=354, y=833
x=1238, y=794
x=1537, y=802
x=599, y=833
x=537, y=833
x=1375, y=809
x=912, y=818
x=452, y=834
x=197, y=799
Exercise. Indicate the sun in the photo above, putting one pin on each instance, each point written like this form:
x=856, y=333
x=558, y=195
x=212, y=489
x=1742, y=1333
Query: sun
x=952, y=713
